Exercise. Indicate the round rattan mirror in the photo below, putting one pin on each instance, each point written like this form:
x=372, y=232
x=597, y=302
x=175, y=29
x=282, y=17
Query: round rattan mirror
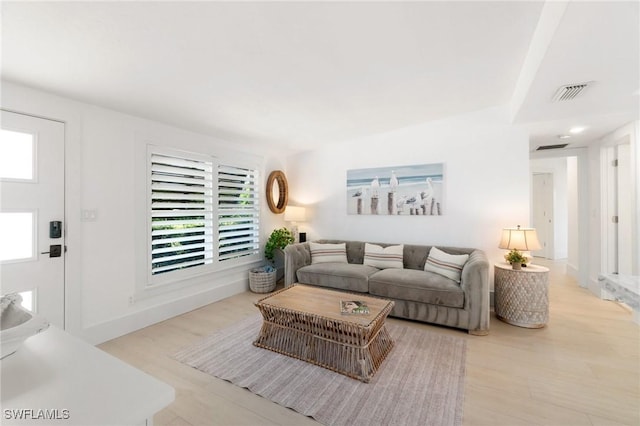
x=277, y=191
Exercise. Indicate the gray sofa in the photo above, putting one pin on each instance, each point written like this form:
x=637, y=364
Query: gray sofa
x=418, y=295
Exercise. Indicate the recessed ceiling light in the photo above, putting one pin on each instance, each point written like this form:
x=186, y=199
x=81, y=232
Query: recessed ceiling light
x=564, y=136
x=576, y=130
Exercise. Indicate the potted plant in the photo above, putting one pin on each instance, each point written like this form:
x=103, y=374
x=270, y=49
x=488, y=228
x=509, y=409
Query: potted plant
x=516, y=259
x=279, y=239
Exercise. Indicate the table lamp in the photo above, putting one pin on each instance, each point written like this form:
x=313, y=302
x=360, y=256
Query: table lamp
x=295, y=214
x=518, y=240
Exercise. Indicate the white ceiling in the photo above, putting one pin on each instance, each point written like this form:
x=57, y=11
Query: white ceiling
x=301, y=74
x=595, y=42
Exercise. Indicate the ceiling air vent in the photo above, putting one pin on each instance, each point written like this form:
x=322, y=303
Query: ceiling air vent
x=568, y=92
x=546, y=147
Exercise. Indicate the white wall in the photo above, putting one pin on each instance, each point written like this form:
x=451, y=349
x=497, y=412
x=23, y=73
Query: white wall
x=486, y=182
x=594, y=217
x=486, y=189
x=573, y=248
x=557, y=167
x=106, y=172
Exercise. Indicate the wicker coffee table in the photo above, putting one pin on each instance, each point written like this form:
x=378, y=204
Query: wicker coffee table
x=305, y=322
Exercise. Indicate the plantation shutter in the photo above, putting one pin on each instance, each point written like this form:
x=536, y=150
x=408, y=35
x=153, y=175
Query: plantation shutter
x=238, y=212
x=181, y=212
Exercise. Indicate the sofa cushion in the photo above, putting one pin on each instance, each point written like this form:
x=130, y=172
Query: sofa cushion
x=343, y=276
x=417, y=286
x=328, y=253
x=383, y=257
x=445, y=264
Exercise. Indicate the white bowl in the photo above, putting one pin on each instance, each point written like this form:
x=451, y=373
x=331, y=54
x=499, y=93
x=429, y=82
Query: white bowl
x=17, y=324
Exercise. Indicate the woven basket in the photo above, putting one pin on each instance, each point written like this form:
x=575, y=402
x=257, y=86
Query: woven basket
x=262, y=282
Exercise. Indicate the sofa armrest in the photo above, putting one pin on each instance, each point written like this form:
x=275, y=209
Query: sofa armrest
x=295, y=257
x=475, y=284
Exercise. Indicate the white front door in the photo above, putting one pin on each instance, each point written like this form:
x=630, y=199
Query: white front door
x=32, y=234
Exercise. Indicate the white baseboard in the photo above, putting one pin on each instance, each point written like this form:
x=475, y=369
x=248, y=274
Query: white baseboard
x=102, y=332
x=595, y=287
x=572, y=271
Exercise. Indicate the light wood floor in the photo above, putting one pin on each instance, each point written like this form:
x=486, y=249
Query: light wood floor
x=582, y=369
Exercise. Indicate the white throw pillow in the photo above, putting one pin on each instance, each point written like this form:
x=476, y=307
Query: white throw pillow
x=383, y=258
x=447, y=265
x=328, y=253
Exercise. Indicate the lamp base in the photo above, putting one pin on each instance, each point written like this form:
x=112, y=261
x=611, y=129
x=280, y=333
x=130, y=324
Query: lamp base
x=302, y=237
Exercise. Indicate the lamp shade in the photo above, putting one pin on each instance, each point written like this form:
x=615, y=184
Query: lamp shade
x=295, y=214
x=524, y=239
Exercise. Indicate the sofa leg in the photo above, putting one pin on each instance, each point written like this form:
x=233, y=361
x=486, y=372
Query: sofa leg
x=478, y=332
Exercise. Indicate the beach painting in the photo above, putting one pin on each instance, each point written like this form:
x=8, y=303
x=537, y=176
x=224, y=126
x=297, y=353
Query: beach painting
x=399, y=191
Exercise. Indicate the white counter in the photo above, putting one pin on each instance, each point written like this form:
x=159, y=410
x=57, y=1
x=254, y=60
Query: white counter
x=625, y=288
x=55, y=378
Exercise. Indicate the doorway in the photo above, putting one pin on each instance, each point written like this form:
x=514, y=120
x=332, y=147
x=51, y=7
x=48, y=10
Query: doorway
x=542, y=207
x=570, y=219
x=32, y=246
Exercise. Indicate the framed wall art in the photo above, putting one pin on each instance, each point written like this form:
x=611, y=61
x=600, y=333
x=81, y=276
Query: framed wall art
x=399, y=191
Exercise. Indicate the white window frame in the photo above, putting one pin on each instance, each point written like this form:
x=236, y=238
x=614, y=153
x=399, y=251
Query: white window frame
x=215, y=262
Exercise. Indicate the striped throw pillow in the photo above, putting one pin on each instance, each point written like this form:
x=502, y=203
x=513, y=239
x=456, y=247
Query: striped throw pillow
x=328, y=253
x=383, y=258
x=445, y=264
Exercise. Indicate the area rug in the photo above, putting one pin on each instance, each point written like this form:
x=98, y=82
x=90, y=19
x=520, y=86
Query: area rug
x=420, y=383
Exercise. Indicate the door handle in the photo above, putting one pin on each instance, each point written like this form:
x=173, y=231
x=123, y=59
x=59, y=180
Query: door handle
x=54, y=250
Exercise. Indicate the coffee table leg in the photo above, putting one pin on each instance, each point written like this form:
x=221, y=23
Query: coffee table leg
x=365, y=371
x=358, y=362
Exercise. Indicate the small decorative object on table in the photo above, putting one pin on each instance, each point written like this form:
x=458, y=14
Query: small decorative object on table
x=263, y=279
x=516, y=259
x=354, y=307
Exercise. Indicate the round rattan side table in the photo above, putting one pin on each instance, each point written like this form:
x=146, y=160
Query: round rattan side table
x=522, y=297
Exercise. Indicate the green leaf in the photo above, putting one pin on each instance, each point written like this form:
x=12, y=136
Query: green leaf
x=279, y=239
